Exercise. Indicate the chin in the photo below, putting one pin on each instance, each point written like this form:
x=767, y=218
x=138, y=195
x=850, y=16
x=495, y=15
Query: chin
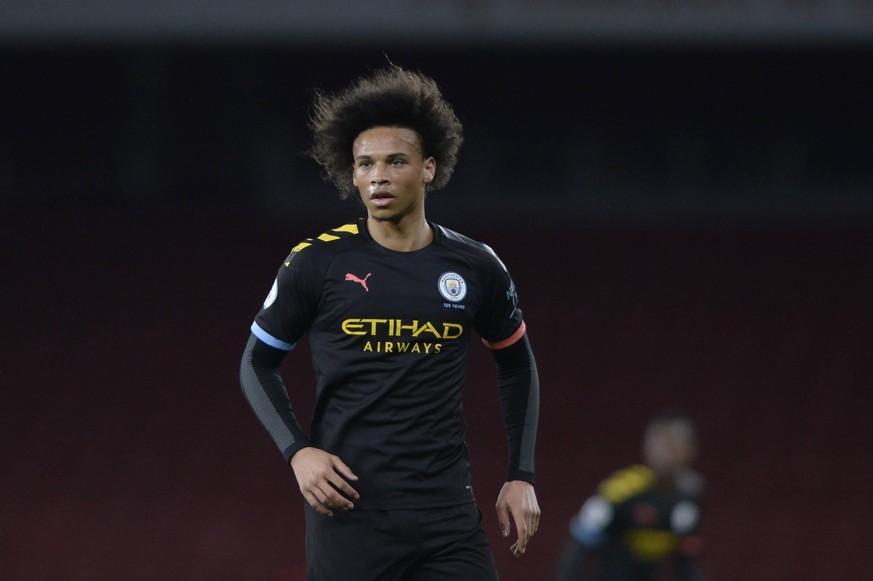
x=384, y=215
x=393, y=218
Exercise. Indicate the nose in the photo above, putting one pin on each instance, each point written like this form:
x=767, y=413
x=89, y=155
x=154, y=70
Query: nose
x=379, y=174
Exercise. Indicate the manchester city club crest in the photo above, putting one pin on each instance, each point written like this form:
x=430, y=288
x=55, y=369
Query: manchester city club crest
x=453, y=286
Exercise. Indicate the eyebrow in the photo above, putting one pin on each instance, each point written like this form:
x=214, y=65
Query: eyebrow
x=389, y=155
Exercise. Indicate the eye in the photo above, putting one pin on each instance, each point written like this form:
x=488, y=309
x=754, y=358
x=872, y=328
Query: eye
x=364, y=163
x=397, y=162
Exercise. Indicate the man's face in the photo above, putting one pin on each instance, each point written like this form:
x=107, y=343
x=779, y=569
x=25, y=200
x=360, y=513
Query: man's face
x=668, y=448
x=391, y=172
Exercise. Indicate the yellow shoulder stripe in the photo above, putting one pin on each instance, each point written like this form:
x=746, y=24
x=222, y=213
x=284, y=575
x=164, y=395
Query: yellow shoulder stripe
x=301, y=246
x=326, y=237
x=627, y=483
x=350, y=228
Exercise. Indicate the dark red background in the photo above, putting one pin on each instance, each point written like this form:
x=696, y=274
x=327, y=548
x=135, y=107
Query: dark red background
x=130, y=453
x=686, y=227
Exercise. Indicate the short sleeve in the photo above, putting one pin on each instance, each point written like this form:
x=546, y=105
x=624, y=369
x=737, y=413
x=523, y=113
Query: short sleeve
x=500, y=318
x=292, y=302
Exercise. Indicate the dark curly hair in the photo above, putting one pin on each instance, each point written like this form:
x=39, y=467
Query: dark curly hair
x=390, y=97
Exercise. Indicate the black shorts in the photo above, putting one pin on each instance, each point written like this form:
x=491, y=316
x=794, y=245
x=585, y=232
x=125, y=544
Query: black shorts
x=432, y=544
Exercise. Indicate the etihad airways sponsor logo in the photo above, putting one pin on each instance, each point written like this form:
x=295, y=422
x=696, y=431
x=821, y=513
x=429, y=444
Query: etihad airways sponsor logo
x=400, y=328
x=402, y=336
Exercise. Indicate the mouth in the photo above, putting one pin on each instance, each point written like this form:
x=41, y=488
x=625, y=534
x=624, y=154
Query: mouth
x=380, y=199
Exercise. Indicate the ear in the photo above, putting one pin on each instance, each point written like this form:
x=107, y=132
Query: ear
x=429, y=170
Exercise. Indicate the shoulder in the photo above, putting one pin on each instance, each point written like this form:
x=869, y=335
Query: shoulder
x=474, y=250
x=626, y=483
x=326, y=245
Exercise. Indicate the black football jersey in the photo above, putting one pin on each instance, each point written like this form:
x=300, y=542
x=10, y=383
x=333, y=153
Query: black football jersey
x=389, y=334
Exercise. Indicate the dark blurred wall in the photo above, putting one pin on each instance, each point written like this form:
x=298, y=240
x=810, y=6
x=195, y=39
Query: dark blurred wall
x=686, y=226
x=649, y=135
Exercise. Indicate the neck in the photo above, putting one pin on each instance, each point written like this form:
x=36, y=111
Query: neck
x=404, y=235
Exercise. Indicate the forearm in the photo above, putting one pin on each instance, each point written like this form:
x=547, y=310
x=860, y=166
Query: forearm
x=265, y=392
x=518, y=382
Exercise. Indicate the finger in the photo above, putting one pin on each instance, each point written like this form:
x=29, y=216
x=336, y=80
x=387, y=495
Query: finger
x=343, y=470
x=344, y=487
x=345, y=473
x=324, y=495
x=521, y=527
x=503, y=518
x=317, y=504
x=530, y=522
x=332, y=500
x=536, y=520
x=336, y=499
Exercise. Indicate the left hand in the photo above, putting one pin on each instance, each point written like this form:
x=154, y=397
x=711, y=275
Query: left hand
x=518, y=499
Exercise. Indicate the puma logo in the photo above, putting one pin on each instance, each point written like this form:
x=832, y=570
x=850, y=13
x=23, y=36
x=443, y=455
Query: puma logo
x=363, y=281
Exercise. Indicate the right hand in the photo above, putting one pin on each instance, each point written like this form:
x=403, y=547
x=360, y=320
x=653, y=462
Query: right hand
x=323, y=480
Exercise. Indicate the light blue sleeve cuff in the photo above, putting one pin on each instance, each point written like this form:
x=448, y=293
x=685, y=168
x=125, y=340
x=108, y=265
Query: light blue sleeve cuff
x=586, y=535
x=589, y=526
x=270, y=340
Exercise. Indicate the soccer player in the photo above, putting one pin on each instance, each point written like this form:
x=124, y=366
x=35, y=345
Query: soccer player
x=389, y=304
x=642, y=516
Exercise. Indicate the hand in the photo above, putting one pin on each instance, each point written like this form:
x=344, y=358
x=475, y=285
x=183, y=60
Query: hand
x=518, y=499
x=323, y=480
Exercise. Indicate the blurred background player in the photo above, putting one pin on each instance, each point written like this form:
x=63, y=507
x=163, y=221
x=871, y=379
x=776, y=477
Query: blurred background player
x=643, y=517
